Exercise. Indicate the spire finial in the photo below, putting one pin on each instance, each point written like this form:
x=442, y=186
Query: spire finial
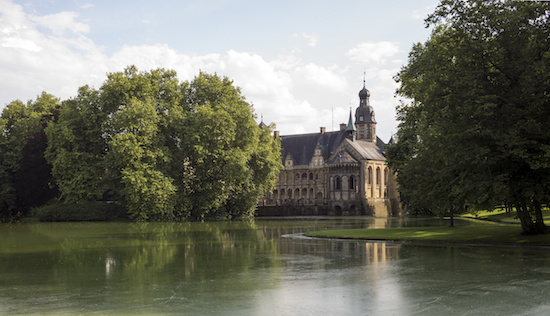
x=364, y=76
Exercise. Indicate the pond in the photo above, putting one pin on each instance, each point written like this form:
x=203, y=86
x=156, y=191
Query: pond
x=261, y=267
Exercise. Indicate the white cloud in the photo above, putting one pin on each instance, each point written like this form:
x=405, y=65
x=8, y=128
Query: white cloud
x=60, y=21
x=299, y=96
x=421, y=14
x=311, y=39
x=17, y=42
x=374, y=52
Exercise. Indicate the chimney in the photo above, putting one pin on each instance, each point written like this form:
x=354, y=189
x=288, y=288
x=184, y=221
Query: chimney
x=276, y=134
x=342, y=126
x=322, y=130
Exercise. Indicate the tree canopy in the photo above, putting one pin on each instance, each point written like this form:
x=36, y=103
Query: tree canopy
x=473, y=123
x=166, y=149
x=25, y=179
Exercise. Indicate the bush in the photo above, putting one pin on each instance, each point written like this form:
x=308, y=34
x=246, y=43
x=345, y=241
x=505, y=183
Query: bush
x=89, y=211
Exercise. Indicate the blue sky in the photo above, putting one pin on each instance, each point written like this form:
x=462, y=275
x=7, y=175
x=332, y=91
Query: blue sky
x=300, y=63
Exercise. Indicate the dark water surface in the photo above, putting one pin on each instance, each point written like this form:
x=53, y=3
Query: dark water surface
x=258, y=268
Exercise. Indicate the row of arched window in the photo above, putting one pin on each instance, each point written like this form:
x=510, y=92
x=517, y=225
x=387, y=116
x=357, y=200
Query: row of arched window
x=283, y=176
x=378, y=176
x=296, y=194
x=343, y=183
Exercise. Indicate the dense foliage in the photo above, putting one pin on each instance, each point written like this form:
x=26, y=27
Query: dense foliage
x=166, y=149
x=475, y=132
x=25, y=179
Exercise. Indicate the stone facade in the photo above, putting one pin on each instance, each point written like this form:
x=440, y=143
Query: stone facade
x=341, y=173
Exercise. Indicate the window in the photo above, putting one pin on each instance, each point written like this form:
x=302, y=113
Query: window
x=338, y=183
x=369, y=176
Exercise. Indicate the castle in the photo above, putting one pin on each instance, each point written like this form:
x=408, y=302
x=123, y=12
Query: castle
x=335, y=173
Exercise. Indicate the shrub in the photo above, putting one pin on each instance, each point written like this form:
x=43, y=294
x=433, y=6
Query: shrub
x=89, y=211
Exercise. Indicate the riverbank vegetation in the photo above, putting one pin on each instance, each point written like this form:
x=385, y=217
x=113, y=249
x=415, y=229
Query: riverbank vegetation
x=473, y=130
x=483, y=227
x=488, y=233
x=161, y=148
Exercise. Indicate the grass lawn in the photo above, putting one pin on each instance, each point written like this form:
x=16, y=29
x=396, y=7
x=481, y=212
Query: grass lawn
x=500, y=215
x=487, y=232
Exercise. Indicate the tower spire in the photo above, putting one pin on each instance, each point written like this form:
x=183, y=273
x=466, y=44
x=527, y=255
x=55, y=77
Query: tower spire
x=351, y=126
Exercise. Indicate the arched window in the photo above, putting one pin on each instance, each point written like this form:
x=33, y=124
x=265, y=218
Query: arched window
x=369, y=175
x=290, y=193
x=377, y=175
x=311, y=176
x=386, y=176
x=352, y=183
x=304, y=176
x=338, y=183
x=319, y=196
x=297, y=194
x=275, y=194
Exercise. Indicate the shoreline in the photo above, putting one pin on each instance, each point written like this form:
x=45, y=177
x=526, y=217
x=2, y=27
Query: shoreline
x=434, y=242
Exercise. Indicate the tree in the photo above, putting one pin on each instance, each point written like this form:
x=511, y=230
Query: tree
x=166, y=149
x=77, y=147
x=25, y=179
x=474, y=132
x=229, y=162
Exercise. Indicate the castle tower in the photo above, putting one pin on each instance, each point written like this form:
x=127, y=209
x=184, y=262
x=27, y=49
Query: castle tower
x=364, y=117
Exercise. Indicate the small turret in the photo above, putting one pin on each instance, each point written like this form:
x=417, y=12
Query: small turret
x=350, y=128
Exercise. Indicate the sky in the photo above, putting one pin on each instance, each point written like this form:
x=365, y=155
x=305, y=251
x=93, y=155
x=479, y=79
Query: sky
x=300, y=63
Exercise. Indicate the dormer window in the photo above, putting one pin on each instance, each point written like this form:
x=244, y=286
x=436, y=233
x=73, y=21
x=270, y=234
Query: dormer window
x=361, y=118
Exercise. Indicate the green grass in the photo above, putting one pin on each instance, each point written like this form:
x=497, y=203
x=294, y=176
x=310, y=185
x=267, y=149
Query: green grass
x=500, y=215
x=490, y=233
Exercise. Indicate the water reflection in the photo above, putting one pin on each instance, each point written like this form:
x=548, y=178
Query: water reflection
x=250, y=268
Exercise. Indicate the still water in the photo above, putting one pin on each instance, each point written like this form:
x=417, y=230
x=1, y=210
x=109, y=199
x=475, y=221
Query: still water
x=261, y=267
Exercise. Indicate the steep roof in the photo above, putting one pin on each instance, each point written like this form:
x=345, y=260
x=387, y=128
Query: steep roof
x=301, y=147
x=369, y=150
x=343, y=157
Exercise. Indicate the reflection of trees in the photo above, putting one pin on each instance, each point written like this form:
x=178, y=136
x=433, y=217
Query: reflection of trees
x=125, y=262
x=118, y=263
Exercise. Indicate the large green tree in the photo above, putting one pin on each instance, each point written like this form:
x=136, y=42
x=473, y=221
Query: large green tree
x=25, y=179
x=475, y=130
x=229, y=161
x=165, y=148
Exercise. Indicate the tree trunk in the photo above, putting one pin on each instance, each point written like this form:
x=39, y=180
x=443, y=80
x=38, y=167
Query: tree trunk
x=539, y=220
x=527, y=225
x=452, y=218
